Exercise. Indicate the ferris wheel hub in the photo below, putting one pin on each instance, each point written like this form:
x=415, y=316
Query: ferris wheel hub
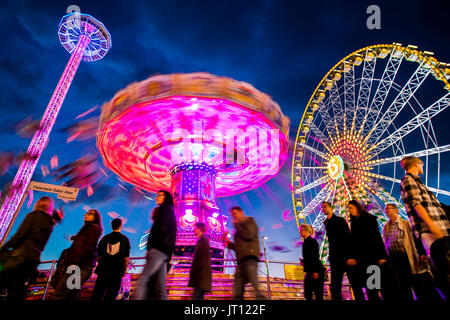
x=336, y=167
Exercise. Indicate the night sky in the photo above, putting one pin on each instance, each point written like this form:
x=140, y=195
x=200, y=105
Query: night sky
x=283, y=48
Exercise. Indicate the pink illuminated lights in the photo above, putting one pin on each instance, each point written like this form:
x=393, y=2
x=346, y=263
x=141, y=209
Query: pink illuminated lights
x=145, y=141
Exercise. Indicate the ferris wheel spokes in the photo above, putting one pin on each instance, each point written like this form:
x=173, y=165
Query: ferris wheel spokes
x=414, y=123
x=420, y=153
x=378, y=211
x=388, y=198
x=349, y=94
x=323, y=195
x=408, y=90
x=311, y=185
x=319, y=134
x=334, y=102
x=379, y=176
x=398, y=146
x=314, y=150
x=324, y=114
x=365, y=88
x=382, y=91
x=360, y=181
x=318, y=222
x=427, y=134
x=310, y=176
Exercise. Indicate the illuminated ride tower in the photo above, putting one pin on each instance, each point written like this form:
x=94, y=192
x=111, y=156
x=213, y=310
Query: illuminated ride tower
x=197, y=135
x=85, y=38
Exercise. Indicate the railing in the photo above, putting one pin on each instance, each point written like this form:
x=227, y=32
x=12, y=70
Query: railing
x=138, y=262
x=266, y=262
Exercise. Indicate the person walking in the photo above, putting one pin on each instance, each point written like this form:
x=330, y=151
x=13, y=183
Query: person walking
x=200, y=273
x=113, y=252
x=246, y=246
x=22, y=253
x=366, y=249
x=312, y=266
x=408, y=261
x=429, y=220
x=338, y=234
x=81, y=258
x=160, y=247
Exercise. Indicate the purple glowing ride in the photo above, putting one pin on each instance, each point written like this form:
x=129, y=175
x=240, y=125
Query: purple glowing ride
x=197, y=135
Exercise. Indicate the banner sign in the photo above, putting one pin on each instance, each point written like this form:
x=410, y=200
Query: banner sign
x=293, y=272
x=66, y=193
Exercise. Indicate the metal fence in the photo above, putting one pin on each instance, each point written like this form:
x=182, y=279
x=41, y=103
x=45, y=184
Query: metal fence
x=181, y=265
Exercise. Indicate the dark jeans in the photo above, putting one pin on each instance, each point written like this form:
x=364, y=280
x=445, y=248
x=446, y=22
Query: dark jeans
x=440, y=256
x=337, y=274
x=198, y=294
x=62, y=291
x=14, y=279
x=355, y=278
x=246, y=271
x=404, y=280
x=107, y=287
x=397, y=281
x=152, y=281
x=315, y=286
x=402, y=275
x=423, y=287
x=357, y=275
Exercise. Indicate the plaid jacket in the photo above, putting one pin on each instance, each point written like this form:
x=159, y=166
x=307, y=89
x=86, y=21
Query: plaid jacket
x=413, y=193
x=394, y=237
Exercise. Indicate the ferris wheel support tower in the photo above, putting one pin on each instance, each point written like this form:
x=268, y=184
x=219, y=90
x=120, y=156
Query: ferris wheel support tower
x=86, y=39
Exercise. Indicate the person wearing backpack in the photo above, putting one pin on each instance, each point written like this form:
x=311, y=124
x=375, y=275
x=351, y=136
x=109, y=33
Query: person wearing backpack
x=113, y=252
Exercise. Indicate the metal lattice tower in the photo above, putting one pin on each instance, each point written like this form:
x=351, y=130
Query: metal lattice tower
x=86, y=39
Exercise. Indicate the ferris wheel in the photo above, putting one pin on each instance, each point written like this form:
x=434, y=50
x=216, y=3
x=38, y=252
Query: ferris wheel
x=375, y=106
